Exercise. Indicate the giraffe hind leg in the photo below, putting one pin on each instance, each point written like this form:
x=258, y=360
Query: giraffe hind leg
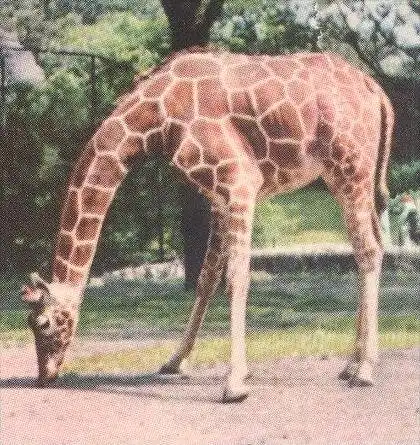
x=364, y=233
x=362, y=222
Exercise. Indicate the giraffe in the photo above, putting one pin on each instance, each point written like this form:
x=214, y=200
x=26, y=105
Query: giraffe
x=239, y=128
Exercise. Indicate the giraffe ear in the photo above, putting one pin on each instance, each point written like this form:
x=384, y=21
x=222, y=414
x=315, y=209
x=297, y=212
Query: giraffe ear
x=38, y=293
x=38, y=282
x=30, y=295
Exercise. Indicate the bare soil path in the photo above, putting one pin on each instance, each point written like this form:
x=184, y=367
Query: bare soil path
x=293, y=401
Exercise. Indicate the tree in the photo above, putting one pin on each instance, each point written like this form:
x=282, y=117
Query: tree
x=190, y=22
x=19, y=67
x=384, y=36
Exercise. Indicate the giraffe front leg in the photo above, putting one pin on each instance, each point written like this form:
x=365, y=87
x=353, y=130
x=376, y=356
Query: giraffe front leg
x=207, y=284
x=238, y=278
x=360, y=369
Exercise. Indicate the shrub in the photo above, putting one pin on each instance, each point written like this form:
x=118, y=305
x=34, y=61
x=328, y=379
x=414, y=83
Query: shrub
x=403, y=177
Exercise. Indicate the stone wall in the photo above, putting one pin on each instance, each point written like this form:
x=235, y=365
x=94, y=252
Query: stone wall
x=333, y=258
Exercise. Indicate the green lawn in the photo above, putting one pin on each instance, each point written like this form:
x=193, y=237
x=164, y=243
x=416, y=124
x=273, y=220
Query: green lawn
x=290, y=314
x=308, y=215
x=260, y=346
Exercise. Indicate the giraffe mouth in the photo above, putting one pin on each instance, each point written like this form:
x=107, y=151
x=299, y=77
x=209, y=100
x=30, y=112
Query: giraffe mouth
x=48, y=373
x=49, y=364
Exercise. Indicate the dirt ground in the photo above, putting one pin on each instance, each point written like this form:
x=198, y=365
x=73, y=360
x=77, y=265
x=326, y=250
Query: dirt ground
x=293, y=401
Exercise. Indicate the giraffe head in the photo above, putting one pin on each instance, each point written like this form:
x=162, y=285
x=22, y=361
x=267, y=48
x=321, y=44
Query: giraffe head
x=52, y=319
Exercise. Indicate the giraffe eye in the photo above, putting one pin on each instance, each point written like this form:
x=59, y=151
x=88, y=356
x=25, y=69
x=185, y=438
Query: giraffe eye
x=60, y=320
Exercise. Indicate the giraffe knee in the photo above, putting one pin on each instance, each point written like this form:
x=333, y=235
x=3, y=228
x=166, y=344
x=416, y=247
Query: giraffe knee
x=370, y=259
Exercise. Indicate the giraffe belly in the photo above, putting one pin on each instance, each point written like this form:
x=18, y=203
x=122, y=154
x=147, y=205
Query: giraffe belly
x=281, y=181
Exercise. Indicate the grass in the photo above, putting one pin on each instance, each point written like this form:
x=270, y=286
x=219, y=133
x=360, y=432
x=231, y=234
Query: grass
x=260, y=346
x=128, y=309
x=308, y=215
x=289, y=314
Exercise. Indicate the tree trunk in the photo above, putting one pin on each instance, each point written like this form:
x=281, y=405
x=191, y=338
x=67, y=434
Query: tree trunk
x=190, y=23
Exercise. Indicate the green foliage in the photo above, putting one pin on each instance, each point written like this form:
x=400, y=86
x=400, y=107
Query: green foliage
x=265, y=27
x=384, y=35
x=404, y=177
x=309, y=215
x=63, y=95
x=124, y=38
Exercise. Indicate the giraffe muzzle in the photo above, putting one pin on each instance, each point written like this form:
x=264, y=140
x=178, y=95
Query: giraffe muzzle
x=48, y=373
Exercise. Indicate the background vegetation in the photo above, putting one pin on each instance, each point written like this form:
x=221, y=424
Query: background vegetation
x=48, y=124
x=290, y=314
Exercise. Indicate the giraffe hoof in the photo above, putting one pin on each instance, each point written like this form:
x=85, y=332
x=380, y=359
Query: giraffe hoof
x=360, y=382
x=345, y=374
x=363, y=375
x=235, y=395
x=349, y=371
x=169, y=369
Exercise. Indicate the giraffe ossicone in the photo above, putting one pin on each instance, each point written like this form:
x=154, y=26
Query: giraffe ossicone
x=239, y=128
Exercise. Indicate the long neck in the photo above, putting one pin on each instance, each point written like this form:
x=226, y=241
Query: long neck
x=95, y=179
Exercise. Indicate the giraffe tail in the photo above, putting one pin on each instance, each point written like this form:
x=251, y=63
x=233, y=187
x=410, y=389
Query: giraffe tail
x=381, y=188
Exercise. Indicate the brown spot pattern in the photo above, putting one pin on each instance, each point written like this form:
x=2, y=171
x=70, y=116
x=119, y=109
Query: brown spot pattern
x=131, y=151
x=95, y=201
x=210, y=135
x=309, y=114
x=212, y=99
x=188, y=155
x=144, y=117
x=203, y=176
x=242, y=103
x=224, y=192
x=251, y=135
x=194, y=67
x=126, y=103
x=228, y=173
x=109, y=135
x=154, y=142
x=75, y=277
x=283, y=67
x=83, y=165
x=106, y=172
x=82, y=255
x=157, y=86
x=283, y=122
x=244, y=76
x=87, y=229
x=268, y=94
x=60, y=270
x=298, y=91
x=174, y=136
x=286, y=154
x=269, y=173
x=64, y=246
x=70, y=213
x=179, y=101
